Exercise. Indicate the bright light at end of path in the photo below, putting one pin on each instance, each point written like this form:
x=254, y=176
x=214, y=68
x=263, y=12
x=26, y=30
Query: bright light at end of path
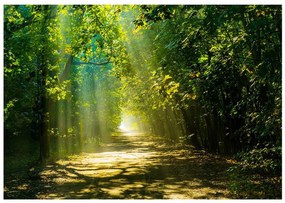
x=129, y=123
x=123, y=127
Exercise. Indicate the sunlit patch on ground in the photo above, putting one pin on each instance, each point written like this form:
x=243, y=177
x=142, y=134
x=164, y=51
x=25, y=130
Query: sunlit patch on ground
x=135, y=167
x=23, y=187
x=64, y=180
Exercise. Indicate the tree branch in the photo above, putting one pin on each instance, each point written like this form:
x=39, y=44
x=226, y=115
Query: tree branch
x=11, y=28
x=70, y=61
x=92, y=63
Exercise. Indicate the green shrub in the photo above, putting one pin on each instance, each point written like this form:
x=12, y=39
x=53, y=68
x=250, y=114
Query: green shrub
x=257, y=174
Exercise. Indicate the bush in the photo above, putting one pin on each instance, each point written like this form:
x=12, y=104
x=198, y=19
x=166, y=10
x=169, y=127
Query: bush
x=257, y=174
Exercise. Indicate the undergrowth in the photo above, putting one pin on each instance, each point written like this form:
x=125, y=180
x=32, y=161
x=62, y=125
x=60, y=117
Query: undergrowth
x=257, y=174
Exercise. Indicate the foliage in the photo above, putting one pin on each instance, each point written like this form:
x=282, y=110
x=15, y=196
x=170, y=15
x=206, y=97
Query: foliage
x=213, y=72
x=209, y=75
x=258, y=174
x=47, y=50
x=224, y=84
x=265, y=160
x=226, y=67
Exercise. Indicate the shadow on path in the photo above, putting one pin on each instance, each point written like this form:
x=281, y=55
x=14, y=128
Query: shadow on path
x=134, y=166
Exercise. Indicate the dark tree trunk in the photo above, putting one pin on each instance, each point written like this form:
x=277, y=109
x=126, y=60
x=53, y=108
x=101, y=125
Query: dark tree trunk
x=44, y=138
x=42, y=74
x=192, y=136
x=212, y=131
x=43, y=110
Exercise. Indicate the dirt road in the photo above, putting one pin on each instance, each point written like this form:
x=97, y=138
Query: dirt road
x=131, y=166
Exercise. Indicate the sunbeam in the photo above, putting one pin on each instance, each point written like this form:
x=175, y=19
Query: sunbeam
x=142, y=101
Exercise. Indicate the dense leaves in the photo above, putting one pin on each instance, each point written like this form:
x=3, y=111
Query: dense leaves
x=226, y=61
x=204, y=75
x=227, y=69
x=53, y=56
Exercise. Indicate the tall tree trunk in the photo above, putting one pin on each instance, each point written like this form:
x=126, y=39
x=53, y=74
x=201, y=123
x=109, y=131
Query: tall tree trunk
x=44, y=138
x=43, y=72
x=66, y=71
x=211, y=133
x=43, y=110
x=189, y=128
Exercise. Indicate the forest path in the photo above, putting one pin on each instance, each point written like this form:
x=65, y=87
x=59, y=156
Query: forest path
x=134, y=166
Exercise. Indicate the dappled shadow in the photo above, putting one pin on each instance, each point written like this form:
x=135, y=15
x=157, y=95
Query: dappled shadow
x=134, y=167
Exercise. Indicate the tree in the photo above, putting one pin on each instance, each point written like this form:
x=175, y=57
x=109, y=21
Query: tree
x=44, y=45
x=221, y=89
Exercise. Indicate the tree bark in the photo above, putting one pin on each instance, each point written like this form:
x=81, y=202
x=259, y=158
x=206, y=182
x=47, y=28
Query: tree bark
x=190, y=131
x=66, y=71
x=42, y=74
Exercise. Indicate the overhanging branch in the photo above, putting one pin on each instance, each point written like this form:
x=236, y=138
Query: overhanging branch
x=92, y=63
x=70, y=61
